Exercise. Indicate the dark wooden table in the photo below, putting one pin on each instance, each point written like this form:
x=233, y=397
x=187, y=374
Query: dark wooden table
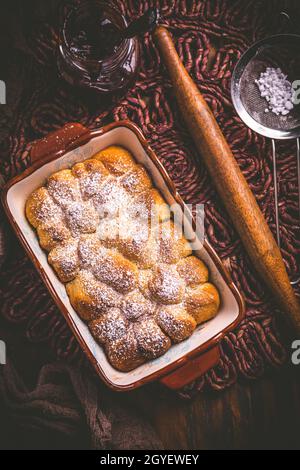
x=261, y=415
x=264, y=414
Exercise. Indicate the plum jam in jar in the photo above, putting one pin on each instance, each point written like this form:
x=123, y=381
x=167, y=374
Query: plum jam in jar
x=89, y=56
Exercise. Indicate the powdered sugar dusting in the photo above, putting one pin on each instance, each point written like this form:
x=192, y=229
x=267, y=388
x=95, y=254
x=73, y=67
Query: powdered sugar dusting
x=43, y=208
x=151, y=340
x=111, y=199
x=111, y=327
x=176, y=322
x=103, y=296
x=124, y=353
x=136, y=181
x=64, y=259
x=117, y=272
x=135, y=305
x=64, y=191
x=167, y=286
x=90, y=184
x=81, y=217
x=91, y=251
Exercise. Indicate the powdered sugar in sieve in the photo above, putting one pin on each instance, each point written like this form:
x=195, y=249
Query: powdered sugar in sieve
x=277, y=90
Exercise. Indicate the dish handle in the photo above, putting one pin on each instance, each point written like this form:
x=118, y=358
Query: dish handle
x=192, y=370
x=58, y=141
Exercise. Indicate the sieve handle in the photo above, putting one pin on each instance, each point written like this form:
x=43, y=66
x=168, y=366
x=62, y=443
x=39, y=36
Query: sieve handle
x=276, y=201
x=229, y=180
x=276, y=198
x=298, y=176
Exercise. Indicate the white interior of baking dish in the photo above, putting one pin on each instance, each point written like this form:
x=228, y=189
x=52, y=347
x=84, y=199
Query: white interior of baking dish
x=16, y=199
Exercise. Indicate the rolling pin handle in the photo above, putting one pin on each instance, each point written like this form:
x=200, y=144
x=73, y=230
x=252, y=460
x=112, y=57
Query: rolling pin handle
x=229, y=180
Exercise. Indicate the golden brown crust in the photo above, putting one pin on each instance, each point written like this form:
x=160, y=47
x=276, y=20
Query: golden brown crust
x=124, y=354
x=176, y=322
x=90, y=251
x=40, y=208
x=172, y=244
x=81, y=300
x=166, y=286
x=111, y=200
x=135, y=306
x=81, y=217
x=64, y=260
x=129, y=271
x=51, y=235
x=117, y=160
x=110, y=327
x=63, y=188
x=151, y=340
x=140, y=246
x=193, y=271
x=91, y=174
x=89, y=167
x=151, y=207
x=202, y=302
x=90, y=297
x=117, y=272
x=137, y=180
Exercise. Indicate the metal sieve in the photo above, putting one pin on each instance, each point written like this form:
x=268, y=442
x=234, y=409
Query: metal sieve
x=277, y=51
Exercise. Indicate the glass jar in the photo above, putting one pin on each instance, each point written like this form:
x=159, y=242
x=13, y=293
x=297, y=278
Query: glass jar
x=88, y=57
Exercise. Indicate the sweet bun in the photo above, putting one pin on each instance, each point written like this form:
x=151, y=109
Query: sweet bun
x=202, y=302
x=111, y=199
x=81, y=217
x=136, y=181
x=90, y=297
x=135, y=306
x=117, y=160
x=91, y=174
x=81, y=300
x=64, y=260
x=166, y=286
x=64, y=188
x=124, y=353
x=108, y=232
x=109, y=327
x=152, y=342
x=52, y=234
x=151, y=207
x=176, y=322
x=40, y=208
x=140, y=247
x=90, y=251
x=117, y=272
x=192, y=270
x=172, y=244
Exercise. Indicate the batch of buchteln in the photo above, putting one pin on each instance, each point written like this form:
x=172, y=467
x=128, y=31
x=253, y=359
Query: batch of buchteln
x=134, y=281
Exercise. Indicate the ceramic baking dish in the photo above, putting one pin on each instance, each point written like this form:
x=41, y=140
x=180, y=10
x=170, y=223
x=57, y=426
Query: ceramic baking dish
x=183, y=362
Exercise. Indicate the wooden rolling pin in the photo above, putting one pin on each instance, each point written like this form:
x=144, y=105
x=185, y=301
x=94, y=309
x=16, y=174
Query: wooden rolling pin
x=229, y=180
